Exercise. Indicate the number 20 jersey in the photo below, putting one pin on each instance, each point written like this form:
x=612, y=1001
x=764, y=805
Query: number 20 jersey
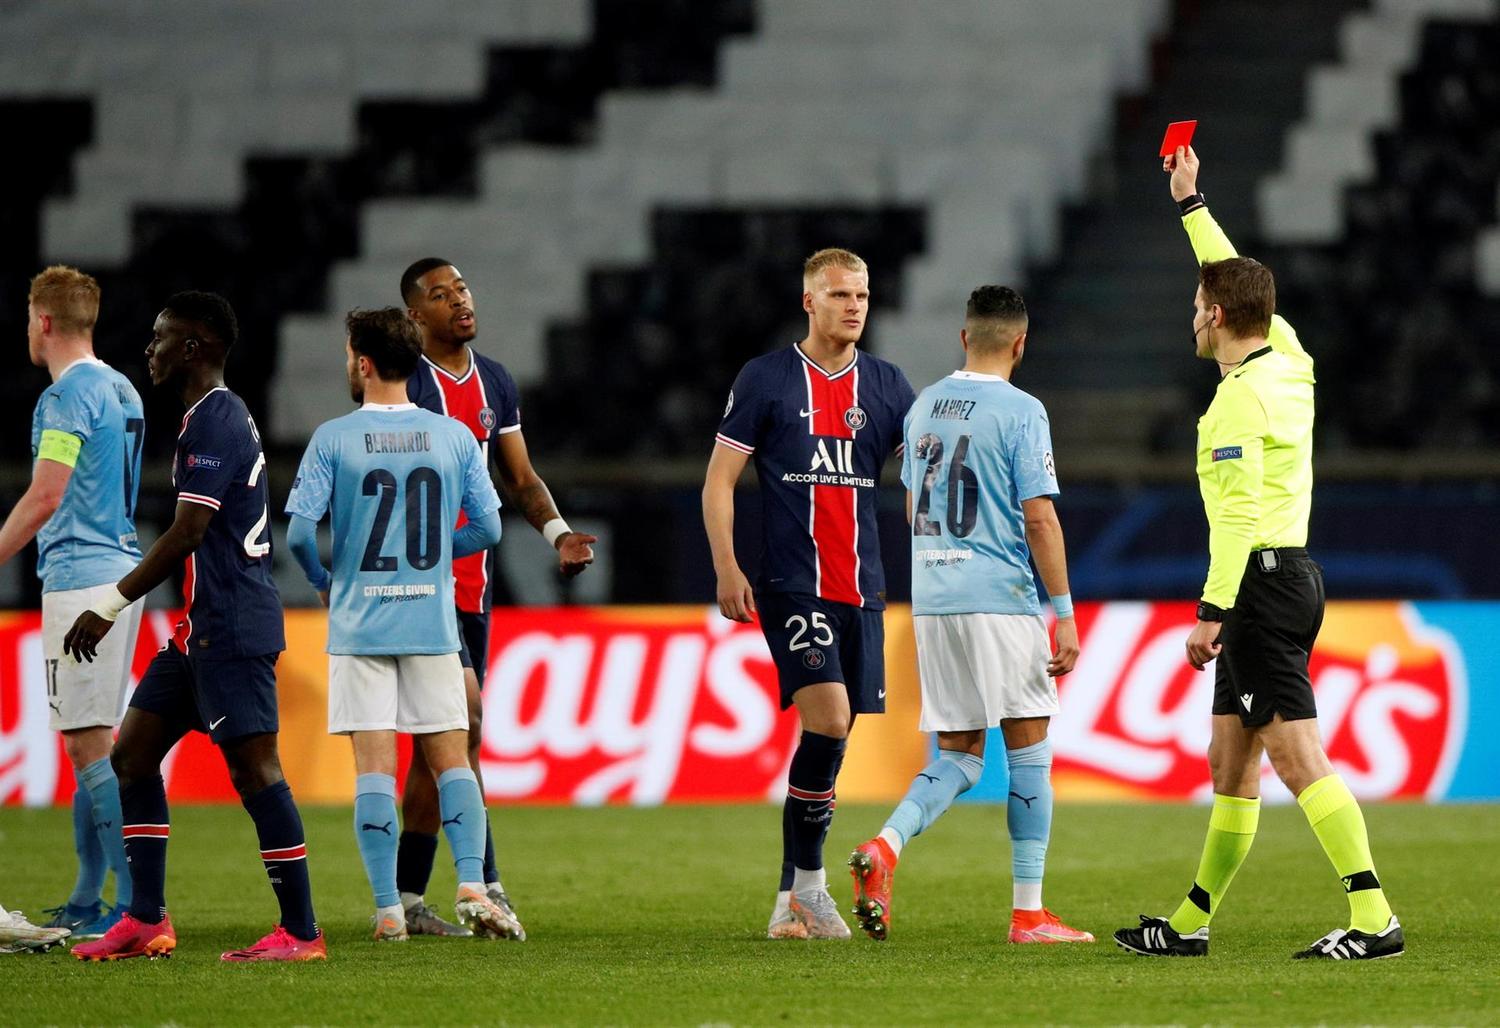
x=819, y=441
x=233, y=608
x=976, y=447
x=394, y=479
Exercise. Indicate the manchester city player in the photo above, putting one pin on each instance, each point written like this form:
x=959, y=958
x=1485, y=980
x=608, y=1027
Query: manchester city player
x=980, y=481
x=820, y=418
x=86, y=441
x=219, y=674
x=1262, y=603
x=393, y=478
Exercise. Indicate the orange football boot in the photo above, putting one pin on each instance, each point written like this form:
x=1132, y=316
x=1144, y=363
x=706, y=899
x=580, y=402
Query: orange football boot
x=1043, y=926
x=131, y=938
x=873, y=865
x=279, y=945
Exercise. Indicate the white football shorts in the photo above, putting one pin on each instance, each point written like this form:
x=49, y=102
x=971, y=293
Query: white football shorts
x=417, y=693
x=81, y=694
x=979, y=669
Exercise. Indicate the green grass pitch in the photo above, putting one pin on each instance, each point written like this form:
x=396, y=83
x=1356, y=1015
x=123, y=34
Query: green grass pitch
x=658, y=916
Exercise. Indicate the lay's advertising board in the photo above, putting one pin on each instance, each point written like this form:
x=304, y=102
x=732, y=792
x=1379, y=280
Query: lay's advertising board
x=648, y=705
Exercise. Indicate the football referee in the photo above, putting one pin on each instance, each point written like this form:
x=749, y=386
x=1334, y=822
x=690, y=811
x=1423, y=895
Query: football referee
x=1263, y=602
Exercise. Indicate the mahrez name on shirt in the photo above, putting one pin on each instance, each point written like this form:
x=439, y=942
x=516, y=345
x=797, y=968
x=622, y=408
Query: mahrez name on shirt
x=397, y=442
x=947, y=408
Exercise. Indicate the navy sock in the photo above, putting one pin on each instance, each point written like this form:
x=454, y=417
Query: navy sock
x=283, y=848
x=809, y=796
x=104, y=794
x=143, y=807
x=86, y=843
x=491, y=869
x=414, y=857
x=788, y=860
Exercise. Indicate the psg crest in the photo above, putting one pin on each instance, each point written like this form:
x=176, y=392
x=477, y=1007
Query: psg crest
x=813, y=659
x=854, y=417
x=487, y=418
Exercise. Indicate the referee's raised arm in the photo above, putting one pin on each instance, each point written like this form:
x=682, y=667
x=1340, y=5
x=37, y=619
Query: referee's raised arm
x=1210, y=243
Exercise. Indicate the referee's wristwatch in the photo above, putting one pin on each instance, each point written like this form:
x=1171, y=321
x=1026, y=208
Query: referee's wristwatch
x=1208, y=612
x=1189, y=204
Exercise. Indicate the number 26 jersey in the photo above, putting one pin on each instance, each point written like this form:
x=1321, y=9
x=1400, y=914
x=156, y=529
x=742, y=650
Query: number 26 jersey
x=393, y=479
x=819, y=441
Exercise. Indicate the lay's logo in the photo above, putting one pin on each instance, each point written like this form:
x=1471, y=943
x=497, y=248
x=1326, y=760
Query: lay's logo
x=1228, y=453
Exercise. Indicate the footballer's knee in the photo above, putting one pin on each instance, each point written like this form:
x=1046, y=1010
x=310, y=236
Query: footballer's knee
x=253, y=763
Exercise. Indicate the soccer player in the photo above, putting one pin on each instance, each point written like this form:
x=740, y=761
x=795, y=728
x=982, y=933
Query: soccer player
x=218, y=675
x=820, y=418
x=980, y=480
x=456, y=380
x=18, y=935
x=394, y=478
x=1262, y=604
x=86, y=441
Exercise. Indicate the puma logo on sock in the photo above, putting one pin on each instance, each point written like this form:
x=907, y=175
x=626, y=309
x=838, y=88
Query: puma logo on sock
x=1024, y=799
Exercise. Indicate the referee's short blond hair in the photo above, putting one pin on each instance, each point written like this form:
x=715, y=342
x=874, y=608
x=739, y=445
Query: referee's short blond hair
x=831, y=257
x=68, y=296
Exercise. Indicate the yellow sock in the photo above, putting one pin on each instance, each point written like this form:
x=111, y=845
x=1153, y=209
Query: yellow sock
x=1336, y=819
x=1231, y=830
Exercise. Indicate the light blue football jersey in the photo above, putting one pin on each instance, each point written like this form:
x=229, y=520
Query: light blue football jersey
x=976, y=446
x=394, y=479
x=90, y=539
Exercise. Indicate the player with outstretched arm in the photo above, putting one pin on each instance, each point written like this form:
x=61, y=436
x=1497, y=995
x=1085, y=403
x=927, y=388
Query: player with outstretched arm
x=1262, y=604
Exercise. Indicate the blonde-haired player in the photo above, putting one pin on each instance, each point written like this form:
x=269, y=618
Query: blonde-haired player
x=86, y=442
x=820, y=418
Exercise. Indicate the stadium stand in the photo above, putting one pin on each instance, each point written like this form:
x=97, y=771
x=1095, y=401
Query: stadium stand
x=789, y=125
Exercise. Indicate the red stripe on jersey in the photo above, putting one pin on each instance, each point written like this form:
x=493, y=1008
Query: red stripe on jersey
x=145, y=831
x=463, y=400
x=835, y=508
x=804, y=794
x=184, y=630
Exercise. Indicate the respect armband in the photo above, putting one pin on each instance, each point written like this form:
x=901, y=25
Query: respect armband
x=59, y=446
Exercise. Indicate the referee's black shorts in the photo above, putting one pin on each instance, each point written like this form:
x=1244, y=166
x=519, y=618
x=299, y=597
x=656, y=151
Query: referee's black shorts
x=1267, y=637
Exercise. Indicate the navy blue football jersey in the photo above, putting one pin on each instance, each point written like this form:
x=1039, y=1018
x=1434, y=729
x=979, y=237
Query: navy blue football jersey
x=485, y=400
x=819, y=442
x=233, y=608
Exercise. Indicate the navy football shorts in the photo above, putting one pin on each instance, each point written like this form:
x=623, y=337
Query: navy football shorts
x=228, y=699
x=814, y=640
x=474, y=643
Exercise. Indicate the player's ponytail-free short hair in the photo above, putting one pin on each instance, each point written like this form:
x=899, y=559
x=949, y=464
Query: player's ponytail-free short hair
x=68, y=296
x=212, y=313
x=833, y=257
x=410, y=292
x=1245, y=289
x=388, y=338
x=993, y=317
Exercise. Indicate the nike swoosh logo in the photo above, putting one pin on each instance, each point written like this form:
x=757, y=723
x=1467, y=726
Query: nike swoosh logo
x=808, y=413
x=215, y=724
x=882, y=694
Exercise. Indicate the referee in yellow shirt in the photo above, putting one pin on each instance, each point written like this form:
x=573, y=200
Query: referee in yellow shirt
x=1263, y=602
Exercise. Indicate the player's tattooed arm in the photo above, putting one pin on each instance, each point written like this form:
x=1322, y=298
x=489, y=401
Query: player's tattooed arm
x=176, y=544
x=525, y=491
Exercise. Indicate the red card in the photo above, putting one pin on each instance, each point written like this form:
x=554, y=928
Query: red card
x=1179, y=133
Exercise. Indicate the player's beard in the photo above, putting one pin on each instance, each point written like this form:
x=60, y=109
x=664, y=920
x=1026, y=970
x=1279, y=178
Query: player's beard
x=356, y=390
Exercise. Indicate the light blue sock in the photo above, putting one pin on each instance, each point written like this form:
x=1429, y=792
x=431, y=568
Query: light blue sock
x=462, y=811
x=376, y=831
x=104, y=795
x=91, y=865
x=933, y=791
x=1028, y=811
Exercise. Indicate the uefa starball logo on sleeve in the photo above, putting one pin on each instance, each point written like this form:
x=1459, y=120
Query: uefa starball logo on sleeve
x=1135, y=717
